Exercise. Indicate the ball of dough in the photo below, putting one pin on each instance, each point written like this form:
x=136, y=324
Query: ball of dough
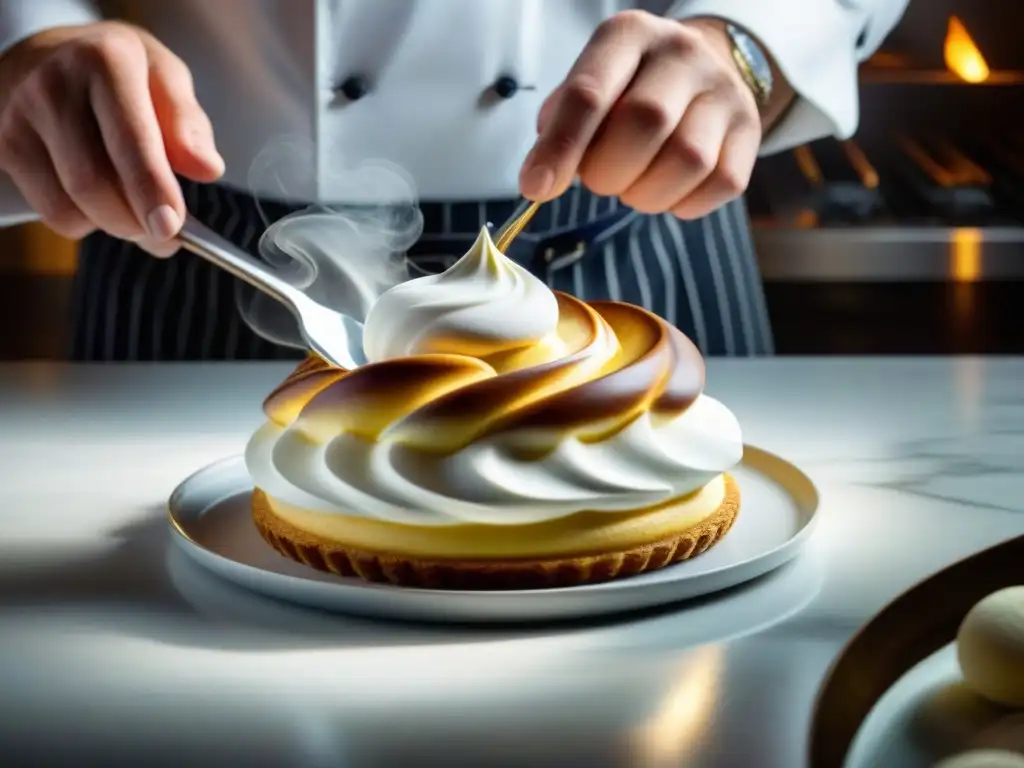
x=950, y=719
x=984, y=758
x=1006, y=734
x=990, y=647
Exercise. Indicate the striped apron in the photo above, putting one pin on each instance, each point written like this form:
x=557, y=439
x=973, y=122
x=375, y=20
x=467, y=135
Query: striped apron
x=701, y=275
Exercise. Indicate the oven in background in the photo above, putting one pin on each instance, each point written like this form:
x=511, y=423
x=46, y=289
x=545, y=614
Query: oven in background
x=909, y=238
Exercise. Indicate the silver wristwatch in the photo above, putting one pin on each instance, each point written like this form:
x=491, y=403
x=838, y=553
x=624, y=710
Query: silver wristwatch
x=752, y=63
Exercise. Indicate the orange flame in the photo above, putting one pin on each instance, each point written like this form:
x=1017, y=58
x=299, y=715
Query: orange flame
x=963, y=58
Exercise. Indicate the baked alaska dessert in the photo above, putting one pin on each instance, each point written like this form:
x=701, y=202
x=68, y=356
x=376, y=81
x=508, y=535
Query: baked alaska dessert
x=500, y=436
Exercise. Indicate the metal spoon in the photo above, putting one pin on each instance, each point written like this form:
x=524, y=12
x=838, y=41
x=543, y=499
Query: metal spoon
x=336, y=337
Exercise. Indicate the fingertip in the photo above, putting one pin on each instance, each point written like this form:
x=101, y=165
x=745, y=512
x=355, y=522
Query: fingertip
x=163, y=223
x=537, y=182
x=211, y=161
x=160, y=250
x=195, y=156
x=208, y=165
x=691, y=210
x=203, y=170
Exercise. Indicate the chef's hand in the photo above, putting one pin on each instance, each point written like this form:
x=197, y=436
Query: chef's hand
x=654, y=112
x=94, y=122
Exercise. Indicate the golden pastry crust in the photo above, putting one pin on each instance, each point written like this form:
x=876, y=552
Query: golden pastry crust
x=335, y=557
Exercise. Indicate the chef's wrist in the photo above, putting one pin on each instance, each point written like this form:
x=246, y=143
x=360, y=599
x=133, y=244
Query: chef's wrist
x=22, y=57
x=780, y=95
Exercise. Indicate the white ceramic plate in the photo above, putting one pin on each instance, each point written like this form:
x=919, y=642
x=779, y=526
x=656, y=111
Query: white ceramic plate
x=209, y=514
x=929, y=715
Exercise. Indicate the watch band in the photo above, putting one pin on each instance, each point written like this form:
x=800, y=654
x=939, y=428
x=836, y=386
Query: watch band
x=752, y=63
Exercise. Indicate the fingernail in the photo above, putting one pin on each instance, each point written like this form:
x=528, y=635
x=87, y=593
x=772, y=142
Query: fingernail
x=539, y=181
x=163, y=223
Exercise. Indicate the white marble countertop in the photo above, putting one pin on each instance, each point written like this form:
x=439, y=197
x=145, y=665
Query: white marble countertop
x=116, y=651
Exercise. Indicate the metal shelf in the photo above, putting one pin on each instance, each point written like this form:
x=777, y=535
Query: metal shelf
x=900, y=76
x=883, y=254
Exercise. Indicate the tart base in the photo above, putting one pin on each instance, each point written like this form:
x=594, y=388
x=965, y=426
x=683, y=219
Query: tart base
x=381, y=567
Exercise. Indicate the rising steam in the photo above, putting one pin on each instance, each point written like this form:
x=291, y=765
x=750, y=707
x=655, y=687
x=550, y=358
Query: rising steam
x=342, y=256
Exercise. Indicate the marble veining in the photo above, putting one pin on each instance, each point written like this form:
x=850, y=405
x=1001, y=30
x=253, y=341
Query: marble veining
x=985, y=470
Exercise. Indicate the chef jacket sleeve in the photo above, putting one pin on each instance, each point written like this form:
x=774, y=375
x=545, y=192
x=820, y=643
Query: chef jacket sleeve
x=23, y=18
x=20, y=19
x=817, y=45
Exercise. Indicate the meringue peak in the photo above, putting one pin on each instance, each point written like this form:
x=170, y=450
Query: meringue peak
x=484, y=304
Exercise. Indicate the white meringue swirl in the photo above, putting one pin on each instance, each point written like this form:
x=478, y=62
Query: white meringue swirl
x=486, y=482
x=489, y=400
x=484, y=304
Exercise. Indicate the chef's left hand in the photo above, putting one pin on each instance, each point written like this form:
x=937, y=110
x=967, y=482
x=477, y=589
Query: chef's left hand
x=653, y=112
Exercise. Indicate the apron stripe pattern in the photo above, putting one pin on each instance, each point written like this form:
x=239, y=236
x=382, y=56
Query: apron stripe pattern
x=701, y=275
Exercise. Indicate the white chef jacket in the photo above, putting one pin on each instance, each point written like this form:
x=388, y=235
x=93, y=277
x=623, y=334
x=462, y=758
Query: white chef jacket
x=269, y=68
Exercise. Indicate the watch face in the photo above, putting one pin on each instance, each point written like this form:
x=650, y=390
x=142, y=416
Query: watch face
x=754, y=57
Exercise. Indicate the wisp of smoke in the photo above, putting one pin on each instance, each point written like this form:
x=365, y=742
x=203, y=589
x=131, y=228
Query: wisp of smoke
x=342, y=256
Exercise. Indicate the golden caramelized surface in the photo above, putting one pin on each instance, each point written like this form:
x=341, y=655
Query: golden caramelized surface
x=607, y=363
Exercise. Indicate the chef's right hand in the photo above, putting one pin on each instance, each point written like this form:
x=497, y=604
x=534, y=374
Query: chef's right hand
x=95, y=121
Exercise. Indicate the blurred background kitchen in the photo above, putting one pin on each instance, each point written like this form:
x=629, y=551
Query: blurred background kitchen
x=908, y=239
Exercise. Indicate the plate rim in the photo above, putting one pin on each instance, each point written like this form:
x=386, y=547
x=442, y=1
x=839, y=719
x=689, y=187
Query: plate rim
x=797, y=484
x=908, y=629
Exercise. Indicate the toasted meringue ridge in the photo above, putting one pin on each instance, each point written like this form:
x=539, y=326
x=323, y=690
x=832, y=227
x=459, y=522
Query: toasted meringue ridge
x=490, y=400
